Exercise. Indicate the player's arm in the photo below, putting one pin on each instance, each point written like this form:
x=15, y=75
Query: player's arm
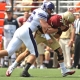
x=46, y=27
x=73, y=34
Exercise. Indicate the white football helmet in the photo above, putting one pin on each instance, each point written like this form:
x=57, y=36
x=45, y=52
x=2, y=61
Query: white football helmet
x=68, y=17
x=48, y=5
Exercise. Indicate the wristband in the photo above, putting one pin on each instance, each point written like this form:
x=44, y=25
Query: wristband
x=47, y=36
x=59, y=29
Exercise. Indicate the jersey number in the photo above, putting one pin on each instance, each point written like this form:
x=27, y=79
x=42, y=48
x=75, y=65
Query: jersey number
x=30, y=19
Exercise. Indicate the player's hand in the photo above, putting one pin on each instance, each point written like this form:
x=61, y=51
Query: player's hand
x=63, y=27
x=50, y=41
x=70, y=43
x=56, y=35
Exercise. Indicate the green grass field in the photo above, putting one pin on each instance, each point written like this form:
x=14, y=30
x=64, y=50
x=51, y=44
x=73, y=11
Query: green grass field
x=39, y=74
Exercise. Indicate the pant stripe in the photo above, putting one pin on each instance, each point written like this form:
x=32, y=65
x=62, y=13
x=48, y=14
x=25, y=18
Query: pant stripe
x=34, y=43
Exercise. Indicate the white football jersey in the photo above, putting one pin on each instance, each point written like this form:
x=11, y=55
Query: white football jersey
x=33, y=20
x=24, y=33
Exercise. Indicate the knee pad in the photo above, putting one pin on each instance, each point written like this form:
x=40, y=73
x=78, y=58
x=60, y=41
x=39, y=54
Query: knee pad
x=60, y=57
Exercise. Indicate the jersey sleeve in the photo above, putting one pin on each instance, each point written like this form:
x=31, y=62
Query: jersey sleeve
x=43, y=16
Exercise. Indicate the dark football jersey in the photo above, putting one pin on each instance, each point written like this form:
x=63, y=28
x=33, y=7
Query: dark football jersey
x=56, y=21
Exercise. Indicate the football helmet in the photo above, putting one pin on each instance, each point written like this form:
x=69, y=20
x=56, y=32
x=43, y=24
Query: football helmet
x=48, y=5
x=68, y=17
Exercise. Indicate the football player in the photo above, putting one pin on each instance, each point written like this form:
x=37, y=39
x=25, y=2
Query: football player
x=24, y=33
x=59, y=23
